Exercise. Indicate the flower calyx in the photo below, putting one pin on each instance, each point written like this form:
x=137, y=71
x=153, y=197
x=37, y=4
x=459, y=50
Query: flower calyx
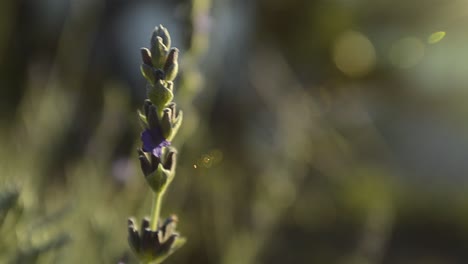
x=159, y=46
x=171, y=121
x=154, y=245
x=158, y=171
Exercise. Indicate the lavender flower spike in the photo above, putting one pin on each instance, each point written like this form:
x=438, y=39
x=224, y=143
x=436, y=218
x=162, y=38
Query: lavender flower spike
x=153, y=141
x=160, y=121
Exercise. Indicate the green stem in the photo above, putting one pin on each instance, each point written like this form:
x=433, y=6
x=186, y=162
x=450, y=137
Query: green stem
x=155, y=211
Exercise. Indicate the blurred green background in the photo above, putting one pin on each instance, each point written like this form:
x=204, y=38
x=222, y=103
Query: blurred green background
x=329, y=131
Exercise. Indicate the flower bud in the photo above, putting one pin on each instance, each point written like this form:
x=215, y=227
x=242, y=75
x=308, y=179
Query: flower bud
x=171, y=67
x=144, y=116
x=158, y=53
x=146, y=56
x=152, y=117
x=171, y=121
x=166, y=124
x=160, y=95
x=161, y=32
x=177, y=121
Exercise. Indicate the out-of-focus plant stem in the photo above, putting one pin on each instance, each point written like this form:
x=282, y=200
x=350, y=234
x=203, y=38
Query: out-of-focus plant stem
x=192, y=81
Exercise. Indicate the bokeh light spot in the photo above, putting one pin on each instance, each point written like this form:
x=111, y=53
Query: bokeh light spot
x=205, y=161
x=214, y=157
x=354, y=54
x=436, y=37
x=406, y=52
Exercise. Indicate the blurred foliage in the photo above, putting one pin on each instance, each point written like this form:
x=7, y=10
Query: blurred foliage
x=314, y=131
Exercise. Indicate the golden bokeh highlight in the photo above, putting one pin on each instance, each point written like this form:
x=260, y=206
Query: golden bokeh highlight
x=354, y=54
x=208, y=160
x=436, y=37
x=406, y=52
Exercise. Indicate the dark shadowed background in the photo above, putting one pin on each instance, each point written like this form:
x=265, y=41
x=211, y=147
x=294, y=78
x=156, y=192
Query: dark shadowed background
x=330, y=131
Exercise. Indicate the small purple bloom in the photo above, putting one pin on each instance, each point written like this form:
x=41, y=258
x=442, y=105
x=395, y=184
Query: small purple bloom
x=153, y=141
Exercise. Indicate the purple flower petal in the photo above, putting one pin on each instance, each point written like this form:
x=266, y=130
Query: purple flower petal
x=153, y=141
x=147, y=141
